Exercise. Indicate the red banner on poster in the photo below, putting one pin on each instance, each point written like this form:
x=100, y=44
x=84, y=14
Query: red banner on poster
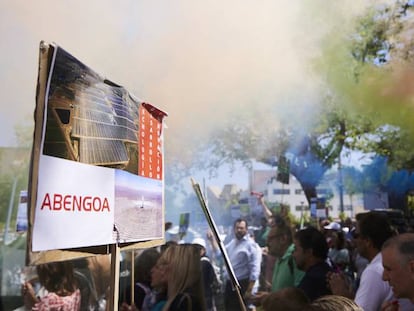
x=150, y=152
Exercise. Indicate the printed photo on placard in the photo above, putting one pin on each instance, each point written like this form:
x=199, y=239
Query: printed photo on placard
x=100, y=168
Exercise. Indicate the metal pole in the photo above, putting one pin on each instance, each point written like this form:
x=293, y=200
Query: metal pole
x=10, y=211
x=301, y=216
x=341, y=186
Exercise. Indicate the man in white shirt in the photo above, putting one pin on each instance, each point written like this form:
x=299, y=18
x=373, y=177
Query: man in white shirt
x=245, y=257
x=398, y=262
x=372, y=230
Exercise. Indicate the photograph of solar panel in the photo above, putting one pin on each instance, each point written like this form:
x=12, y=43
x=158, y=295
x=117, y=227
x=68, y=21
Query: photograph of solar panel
x=90, y=119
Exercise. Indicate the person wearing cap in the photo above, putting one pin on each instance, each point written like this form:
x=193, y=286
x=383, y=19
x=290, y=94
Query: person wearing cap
x=329, y=230
x=209, y=275
x=338, y=253
x=333, y=226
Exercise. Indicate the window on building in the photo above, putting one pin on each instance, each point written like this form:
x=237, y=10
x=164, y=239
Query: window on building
x=281, y=191
x=324, y=191
x=298, y=191
x=347, y=207
x=298, y=208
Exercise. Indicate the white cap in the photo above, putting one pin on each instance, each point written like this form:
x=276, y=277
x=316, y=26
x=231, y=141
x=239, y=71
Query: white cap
x=333, y=226
x=199, y=241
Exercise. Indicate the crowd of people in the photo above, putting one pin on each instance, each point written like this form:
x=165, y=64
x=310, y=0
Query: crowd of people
x=364, y=264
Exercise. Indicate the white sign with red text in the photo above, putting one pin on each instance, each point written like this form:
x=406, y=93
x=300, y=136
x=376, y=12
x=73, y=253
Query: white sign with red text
x=75, y=205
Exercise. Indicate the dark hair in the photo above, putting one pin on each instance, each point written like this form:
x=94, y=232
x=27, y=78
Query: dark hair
x=57, y=277
x=144, y=263
x=404, y=243
x=286, y=299
x=240, y=220
x=166, y=245
x=340, y=240
x=285, y=230
x=168, y=225
x=279, y=220
x=312, y=238
x=376, y=227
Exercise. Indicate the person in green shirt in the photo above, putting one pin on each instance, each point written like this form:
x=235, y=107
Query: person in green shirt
x=285, y=272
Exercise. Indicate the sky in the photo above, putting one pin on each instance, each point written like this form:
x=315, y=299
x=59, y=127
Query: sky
x=200, y=61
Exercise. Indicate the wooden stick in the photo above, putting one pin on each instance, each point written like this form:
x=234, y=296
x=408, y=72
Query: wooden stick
x=114, y=289
x=132, y=277
x=227, y=263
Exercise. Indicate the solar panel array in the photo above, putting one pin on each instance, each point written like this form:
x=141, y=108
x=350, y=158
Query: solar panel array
x=95, y=120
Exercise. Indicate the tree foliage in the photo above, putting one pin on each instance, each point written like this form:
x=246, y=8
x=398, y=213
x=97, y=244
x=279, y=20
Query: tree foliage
x=384, y=34
x=363, y=109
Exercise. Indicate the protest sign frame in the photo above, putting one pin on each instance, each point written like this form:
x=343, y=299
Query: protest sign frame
x=68, y=253
x=37, y=257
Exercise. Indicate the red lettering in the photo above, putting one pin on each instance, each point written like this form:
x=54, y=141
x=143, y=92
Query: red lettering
x=87, y=206
x=57, y=202
x=67, y=202
x=96, y=204
x=74, y=203
x=105, y=205
x=46, y=202
x=77, y=203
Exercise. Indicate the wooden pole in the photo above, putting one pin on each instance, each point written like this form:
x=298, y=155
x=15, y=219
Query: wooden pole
x=132, y=277
x=227, y=263
x=114, y=289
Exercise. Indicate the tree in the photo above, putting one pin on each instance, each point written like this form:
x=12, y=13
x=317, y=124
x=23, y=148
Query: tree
x=16, y=173
x=311, y=151
x=14, y=168
x=357, y=112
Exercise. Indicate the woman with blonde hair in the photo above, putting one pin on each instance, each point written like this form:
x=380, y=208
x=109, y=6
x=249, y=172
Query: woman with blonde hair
x=334, y=303
x=184, y=284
